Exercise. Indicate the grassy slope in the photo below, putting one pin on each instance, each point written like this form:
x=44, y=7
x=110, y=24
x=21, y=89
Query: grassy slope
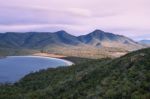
x=126, y=77
x=85, y=51
x=10, y=52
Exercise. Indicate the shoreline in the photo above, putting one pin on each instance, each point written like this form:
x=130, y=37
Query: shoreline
x=60, y=57
x=49, y=55
x=67, y=63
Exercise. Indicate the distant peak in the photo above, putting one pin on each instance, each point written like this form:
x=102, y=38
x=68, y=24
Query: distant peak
x=98, y=31
x=61, y=31
x=145, y=40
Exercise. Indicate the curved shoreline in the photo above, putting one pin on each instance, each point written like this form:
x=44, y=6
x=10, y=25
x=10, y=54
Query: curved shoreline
x=69, y=63
x=49, y=55
x=65, y=63
x=55, y=56
x=61, y=59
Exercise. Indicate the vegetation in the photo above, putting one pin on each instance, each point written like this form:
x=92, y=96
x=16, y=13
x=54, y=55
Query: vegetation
x=12, y=52
x=127, y=77
x=77, y=60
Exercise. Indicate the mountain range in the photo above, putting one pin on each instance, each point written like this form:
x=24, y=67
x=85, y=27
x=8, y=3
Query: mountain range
x=146, y=42
x=97, y=44
x=41, y=40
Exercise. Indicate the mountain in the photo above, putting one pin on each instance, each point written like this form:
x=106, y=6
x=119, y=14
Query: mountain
x=37, y=40
x=41, y=40
x=147, y=42
x=97, y=44
x=100, y=38
x=67, y=38
x=126, y=77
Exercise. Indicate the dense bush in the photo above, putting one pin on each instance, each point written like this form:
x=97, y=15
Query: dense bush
x=127, y=77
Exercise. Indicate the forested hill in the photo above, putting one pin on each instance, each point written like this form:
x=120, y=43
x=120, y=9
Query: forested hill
x=127, y=77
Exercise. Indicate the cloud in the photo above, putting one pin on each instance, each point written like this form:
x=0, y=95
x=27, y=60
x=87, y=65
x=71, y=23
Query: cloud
x=130, y=18
x=80, y=12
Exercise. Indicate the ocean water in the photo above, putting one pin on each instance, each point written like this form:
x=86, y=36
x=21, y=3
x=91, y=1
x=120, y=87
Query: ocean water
x=13, y=68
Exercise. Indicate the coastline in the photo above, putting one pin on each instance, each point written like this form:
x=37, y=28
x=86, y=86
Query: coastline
x=59, y=57
x=64, y=61
x=49, y=55
x=55, y=56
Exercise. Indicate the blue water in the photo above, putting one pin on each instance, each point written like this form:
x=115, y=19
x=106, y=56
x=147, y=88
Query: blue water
x=13, y=68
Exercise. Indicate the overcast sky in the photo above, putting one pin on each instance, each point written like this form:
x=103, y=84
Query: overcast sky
x=126, y=17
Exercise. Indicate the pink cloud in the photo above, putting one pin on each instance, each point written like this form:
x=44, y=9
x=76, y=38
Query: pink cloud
x=130, y=18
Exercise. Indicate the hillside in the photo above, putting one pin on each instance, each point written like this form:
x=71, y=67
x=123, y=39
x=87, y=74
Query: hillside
x=13, y=52
x=121, y=78
x=97, y=38
x=97, y=44
x=100, y=38
x=34, y=40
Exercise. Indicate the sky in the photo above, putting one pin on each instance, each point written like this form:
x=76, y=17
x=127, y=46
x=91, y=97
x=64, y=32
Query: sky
x=78, y=17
